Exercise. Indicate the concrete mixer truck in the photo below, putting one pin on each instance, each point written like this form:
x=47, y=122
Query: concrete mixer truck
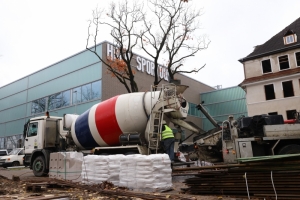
x=126, y=124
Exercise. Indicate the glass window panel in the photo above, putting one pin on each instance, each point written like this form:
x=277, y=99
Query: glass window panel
x=38, y=105
x=76, y=95
x=96, y=90
x=2, y=143
x=86, y=92
x=66, y=97
x=189, y=112
x=193, y=110
x=54, y=101
x=197, y=112
x=32, y=129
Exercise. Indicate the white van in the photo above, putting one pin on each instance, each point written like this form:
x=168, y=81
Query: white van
x=14, y=158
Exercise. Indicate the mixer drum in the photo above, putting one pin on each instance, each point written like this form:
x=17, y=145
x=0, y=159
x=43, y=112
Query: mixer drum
x=103, y=124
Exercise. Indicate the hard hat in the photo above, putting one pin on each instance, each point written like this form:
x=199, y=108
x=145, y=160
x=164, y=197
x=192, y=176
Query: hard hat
x=163, y=122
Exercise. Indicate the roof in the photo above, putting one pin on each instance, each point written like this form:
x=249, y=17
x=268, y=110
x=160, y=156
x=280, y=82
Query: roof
x=271, y=76
x=276, y=44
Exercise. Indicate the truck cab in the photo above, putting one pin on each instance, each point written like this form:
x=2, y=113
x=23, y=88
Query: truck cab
x=42, y=136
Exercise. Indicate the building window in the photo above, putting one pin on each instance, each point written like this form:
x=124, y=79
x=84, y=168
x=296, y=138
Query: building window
x=87, y=92
x=96, y=88
x=76, y=95
x=59, y=100
x=266, y=66
x=290, y=114
x=193, y=110
x=269, y=91
x=284, y=62
x=289, y=39
x=297, y=58
x=288, y=90
x=273, y=113
x=38, y=106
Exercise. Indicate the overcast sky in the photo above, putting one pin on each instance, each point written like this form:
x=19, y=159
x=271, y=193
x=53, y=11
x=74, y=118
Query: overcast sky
x=35, y=34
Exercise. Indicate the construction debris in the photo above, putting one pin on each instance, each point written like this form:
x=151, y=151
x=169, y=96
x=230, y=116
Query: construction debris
x=269, y=180
x=44, y=188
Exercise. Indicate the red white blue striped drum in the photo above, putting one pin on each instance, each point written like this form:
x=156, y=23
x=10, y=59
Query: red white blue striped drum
x=106, y=121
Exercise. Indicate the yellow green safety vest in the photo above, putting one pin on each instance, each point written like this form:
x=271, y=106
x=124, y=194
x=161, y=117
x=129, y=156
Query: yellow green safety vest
x=167, y=133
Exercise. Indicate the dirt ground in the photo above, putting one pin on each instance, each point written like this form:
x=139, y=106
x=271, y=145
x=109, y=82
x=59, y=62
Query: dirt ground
x=21, y=188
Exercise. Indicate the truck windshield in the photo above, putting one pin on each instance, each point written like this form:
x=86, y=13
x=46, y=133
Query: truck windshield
x=14, y=152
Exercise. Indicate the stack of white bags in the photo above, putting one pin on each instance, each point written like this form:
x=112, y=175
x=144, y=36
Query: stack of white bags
x=146, y=172
x=96, y=169
x=132, y=171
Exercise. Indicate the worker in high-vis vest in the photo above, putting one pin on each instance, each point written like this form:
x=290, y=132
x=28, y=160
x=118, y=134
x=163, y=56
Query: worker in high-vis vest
x=168, y=139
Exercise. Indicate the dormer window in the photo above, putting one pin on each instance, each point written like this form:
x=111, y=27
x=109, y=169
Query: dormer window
x=289, y=37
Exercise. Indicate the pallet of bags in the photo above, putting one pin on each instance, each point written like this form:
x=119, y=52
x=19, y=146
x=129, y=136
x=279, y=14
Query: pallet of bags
x=128, y=171
x=66, y=166
x=146, y=172
x=154, y=172
x=114, y=168
x=95, y=169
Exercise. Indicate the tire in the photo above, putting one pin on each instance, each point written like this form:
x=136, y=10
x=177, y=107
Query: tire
x=39, y=166
x=289, y=149
x=15, y=164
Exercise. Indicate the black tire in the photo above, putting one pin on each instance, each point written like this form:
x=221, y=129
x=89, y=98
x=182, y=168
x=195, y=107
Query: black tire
x=289, y=149
x=15, y=164
x=39, y=167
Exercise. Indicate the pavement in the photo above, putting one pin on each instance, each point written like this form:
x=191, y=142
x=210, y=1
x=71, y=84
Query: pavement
x=22, y=172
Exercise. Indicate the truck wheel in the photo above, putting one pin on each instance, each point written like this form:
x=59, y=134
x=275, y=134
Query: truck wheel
x=15, y=164
x=39, y=166
x=289, y=149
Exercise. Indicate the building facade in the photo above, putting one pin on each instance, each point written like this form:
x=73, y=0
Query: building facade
x=272, y=75
x=222, y=103
x=73, y=85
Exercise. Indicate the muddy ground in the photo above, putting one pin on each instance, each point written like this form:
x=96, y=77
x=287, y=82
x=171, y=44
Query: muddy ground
x=20, y=184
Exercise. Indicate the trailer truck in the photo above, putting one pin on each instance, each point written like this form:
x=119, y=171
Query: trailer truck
x=128, y=123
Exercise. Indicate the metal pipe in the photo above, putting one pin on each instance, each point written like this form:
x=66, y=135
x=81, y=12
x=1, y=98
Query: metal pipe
x=207, y=115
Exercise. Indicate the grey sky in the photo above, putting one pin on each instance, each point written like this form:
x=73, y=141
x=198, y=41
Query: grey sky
x=35, y=34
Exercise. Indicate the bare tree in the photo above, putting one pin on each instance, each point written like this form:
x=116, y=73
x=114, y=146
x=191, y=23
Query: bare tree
x=122, y=19
x=171, y=35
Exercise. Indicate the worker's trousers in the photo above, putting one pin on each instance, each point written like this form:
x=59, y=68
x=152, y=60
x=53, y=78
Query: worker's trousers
x=169, y=147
